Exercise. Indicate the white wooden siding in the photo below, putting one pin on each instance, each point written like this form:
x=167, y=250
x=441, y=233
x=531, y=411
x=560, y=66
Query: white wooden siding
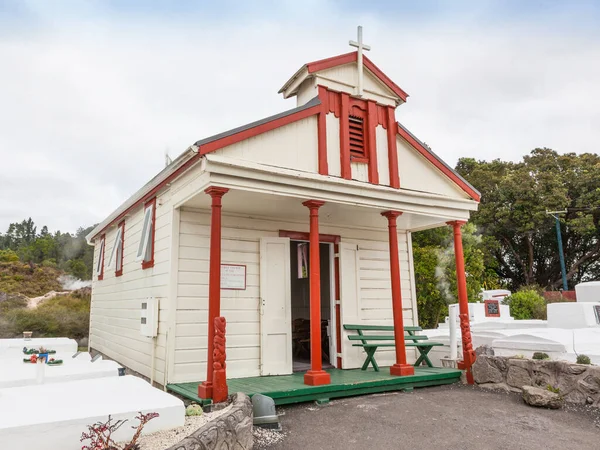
x=333, y=145
x=293, y=146
x=116, y=301
x=383, y=166
x=418, y=174
x=360, y=171
x=240, y=245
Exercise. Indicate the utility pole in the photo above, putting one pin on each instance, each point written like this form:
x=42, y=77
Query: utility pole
x=561, y=253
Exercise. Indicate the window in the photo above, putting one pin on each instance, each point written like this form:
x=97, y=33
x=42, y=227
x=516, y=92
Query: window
x=145, y=251
x=116, y=254
x=100, y=262
x=356, y=127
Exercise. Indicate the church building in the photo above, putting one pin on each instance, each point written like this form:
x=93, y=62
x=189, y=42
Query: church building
x=289, y=227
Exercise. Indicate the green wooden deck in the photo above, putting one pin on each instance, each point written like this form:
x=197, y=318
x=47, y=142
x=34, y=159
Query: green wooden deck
x=285, y=389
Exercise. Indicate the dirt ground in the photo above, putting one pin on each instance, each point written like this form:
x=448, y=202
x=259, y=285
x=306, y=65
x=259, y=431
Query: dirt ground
x=445, y=417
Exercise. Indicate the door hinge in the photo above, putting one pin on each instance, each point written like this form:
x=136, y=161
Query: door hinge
x=337, y=302
x=338, y=355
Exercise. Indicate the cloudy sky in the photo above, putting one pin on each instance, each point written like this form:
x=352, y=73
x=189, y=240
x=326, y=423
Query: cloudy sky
x=92, y=93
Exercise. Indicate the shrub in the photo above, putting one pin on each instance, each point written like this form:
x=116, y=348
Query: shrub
x=527, y=304
x=8, y=256
x=583, y=359
x=60, y=316
x=553, y=389
x=540, y=355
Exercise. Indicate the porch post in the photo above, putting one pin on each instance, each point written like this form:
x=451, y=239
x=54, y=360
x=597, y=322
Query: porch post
x=463, y=303
x=205, y=389
x=316, y=376
x=401, y=367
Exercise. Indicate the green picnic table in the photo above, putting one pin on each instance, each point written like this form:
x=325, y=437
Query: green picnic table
x=371, y=342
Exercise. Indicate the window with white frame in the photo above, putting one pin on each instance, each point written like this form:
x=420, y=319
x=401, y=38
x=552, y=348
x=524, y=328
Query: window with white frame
x=116, y=255
x=100, y=261
x=145, y=252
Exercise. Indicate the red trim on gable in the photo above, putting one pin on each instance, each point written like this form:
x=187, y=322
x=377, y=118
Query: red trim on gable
x=371, y=127
x=302, y=236
x=150, y=263
x=346, y=170
x=392, y=148
x=334, y=103
x=263, y=128
x=382, y=116
x=436, y=162
x=121, y=225
x=322, y=131
x=103, y=245
x=346, y=58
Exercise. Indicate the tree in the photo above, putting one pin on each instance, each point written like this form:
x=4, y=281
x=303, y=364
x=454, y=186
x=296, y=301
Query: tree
x=518, y=233
x=435, y=271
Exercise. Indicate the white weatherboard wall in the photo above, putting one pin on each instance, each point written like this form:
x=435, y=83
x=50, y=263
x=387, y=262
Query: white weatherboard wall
x=116, y=301
x=241, y=245
x=293, y=146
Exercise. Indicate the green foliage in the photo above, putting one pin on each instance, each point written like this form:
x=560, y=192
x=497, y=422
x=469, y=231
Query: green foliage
x=67, y=316
x=583, y=359
x=526, y=304
x=553, y=389
x=29, y=280
x=540, y=356
x=517, y=232
x=435, y=271
x=60, y=250
x=8, y=256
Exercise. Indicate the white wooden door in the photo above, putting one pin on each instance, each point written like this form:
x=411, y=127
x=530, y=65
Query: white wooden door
x=349, y=303
x=275, y=307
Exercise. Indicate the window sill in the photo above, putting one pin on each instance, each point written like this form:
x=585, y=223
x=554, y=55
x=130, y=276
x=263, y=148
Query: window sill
x=359, y=159
x=147, y=264
x=100, y=277
x=118, y=273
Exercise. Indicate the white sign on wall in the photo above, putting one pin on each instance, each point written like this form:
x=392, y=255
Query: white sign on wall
x=233, y=276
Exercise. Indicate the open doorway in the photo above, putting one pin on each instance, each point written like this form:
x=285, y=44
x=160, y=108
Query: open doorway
x=300, y=286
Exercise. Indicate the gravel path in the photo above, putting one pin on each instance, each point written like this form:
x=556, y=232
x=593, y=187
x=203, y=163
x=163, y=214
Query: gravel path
x=445, y=417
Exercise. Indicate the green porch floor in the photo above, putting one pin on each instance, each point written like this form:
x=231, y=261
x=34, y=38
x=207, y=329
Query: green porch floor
x=285, y=389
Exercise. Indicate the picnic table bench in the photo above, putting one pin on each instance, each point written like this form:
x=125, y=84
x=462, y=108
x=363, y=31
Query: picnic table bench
x=371, y=342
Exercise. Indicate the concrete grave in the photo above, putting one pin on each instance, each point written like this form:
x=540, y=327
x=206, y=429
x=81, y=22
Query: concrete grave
x=53, y=416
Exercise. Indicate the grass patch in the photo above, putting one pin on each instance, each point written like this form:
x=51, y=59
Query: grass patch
x=32, y=281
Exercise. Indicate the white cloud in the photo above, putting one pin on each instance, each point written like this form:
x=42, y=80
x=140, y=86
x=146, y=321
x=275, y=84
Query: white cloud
x=88, y=107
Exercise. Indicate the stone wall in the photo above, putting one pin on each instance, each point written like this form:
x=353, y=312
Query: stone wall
x=231, y=430
x=577, y=383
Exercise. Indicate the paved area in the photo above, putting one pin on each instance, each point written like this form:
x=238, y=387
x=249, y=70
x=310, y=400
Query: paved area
x=445, y=417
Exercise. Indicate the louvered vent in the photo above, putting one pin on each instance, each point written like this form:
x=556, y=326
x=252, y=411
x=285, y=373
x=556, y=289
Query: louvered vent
x=357, y=136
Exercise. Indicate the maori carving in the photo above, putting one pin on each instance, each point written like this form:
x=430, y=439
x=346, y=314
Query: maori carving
x=468, y=352
x=220, y=390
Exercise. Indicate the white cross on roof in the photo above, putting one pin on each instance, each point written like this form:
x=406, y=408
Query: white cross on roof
x=359, y=60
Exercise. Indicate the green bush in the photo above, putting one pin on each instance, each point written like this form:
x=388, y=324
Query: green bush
x=540, y=355
x=8, y=256
x=62, y=316
x=527, y=304
x=583, y=359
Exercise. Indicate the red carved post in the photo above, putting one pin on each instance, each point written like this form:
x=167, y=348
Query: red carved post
x=220, y=391
x=316, y=376
x=463, y=303
x=205, y=389
x=401, y=368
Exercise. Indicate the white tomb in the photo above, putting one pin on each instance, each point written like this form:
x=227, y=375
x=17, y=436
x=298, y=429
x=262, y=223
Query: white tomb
x=572, y=328
x=10, y=347
x=53, y=416
x=27, y=374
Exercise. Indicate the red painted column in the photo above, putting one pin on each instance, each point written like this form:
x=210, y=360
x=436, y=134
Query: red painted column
x=401, y=368
x=205, y=389
x=463, y=303
x=316, y=376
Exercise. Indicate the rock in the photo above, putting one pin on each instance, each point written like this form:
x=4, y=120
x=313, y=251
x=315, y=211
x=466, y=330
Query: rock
x=500, y=387
x=543, y=398
x=518, y=377
x=83, y=342
x=484, y=372
x=573, y=369
x=484, y=350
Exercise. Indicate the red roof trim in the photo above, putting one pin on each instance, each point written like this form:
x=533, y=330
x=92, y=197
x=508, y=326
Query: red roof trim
x=259, y=129
x=437, y=163
x=346, y=58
